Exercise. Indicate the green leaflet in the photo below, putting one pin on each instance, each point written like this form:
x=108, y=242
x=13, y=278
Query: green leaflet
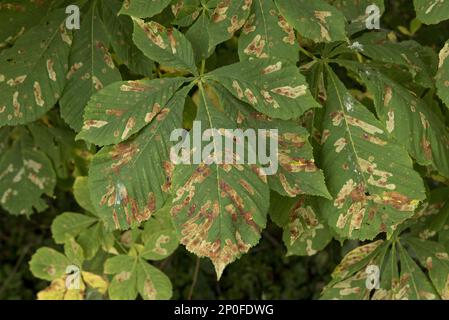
x=81, y=193
x=20, y=17
x=406, y=116
x=25, y=175
x=124, y=108
x=266, y=34
x=33, y=71
x=167, y=46
x=442, y=78
x=48, y=264
x=370, y=177
x=134, y=275
x=431, y=11
x=91, y=67
x=315, y=19
x=186, y=12
x=297, y=172
x=131, y=180
x=152, y=284
x=143, y=8
x=227, y=18
x=159, y=236
x=74, y=252
x=198, y=35
x=119, y=28
x=305, y=229
x=272, y=88
x=355, y=12
x=219, y=209
x=123, y=284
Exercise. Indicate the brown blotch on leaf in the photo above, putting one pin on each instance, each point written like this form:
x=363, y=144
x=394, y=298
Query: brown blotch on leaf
x=219, y=13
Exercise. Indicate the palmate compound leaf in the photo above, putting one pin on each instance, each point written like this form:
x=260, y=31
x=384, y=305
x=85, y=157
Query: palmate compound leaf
x=119, y=28
x=305, y=228
x=369, y=175
x=131, y=180
x=25, y=175
x=316, y=20
x=90, y=66
x=51, y=265
x=297, y=172
x=408, y=118
x=219, y=209
x=32, y=72
x=272, y=88
x=124, y=108
x=431, y=11
x=133, y=275
x=143, y=8
x=372, y=272
x=167, y=46
x=227, y=18
x=266, y=34
x=442, y=78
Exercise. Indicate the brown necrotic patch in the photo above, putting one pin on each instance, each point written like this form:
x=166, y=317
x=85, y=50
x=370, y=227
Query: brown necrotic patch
x=256, y=47
x=135, y=86
x=288, y=29
x=168, y=169
x=122, y=154
x=16, y=81
x=74, y=68
x=292, y=191
x=51, y=72
x=220, y=11
x=153, y=32
x=38, y=94
x=291, y=92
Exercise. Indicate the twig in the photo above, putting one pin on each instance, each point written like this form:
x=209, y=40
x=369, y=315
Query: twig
x=195, y=277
